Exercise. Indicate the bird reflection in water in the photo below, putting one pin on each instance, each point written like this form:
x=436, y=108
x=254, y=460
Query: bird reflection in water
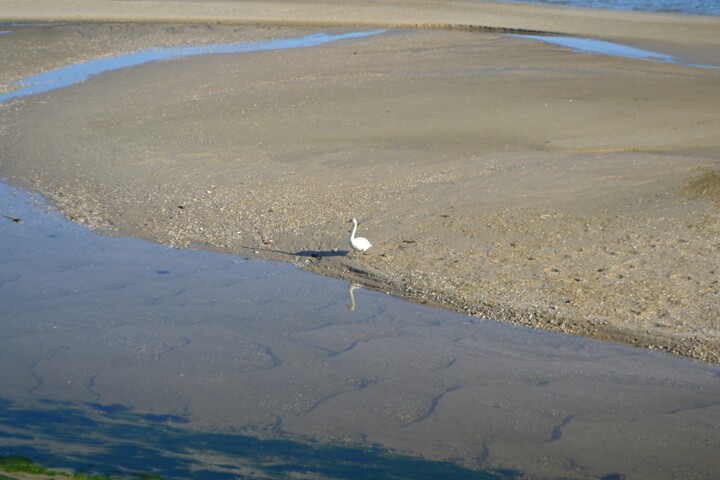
x=351, y=292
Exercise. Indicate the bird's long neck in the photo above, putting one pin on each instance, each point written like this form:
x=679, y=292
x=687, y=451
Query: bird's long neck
x=352, y=235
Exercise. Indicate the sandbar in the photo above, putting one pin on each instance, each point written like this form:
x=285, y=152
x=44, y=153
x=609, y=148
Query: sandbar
x=494, y=175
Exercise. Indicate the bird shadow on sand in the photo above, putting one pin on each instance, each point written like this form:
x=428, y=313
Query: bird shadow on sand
x=321, y=253
x=306, y=253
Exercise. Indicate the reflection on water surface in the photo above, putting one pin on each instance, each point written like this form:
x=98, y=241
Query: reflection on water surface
x=127, y=355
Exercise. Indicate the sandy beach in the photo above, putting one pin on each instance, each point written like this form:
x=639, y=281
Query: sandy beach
x=494, y=175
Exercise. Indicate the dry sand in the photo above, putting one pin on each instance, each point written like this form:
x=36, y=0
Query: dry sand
x=494, y=175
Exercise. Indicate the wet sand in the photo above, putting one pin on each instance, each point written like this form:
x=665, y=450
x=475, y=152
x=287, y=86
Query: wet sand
x=494, y=175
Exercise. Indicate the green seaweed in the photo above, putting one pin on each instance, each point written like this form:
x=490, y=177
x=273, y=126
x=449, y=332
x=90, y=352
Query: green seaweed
x=15, y=464
x=18, y=464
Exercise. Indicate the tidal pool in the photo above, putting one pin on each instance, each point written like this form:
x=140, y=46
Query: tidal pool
x=602, y=47
x=131, y=357
x=76, y=73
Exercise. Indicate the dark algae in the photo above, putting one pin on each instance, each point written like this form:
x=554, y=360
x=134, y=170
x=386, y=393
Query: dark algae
x=113, y=442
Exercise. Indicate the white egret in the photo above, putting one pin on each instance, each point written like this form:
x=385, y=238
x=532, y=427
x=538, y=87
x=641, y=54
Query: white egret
x=358, y=243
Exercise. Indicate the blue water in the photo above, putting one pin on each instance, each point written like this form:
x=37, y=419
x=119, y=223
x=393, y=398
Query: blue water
x=691, y=7
x=139, y=445
x=72, y=74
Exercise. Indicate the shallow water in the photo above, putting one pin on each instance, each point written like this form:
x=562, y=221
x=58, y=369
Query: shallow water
x=694, y=7
x=72, y=74
x=602, y=47
x=179, y=361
